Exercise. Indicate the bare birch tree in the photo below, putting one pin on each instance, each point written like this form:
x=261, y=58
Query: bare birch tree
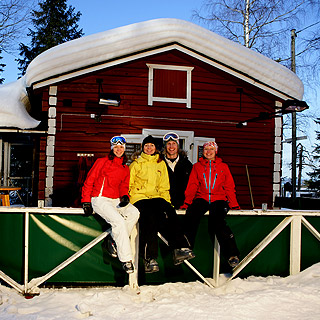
x=262, y=25
x=265, y=26
x=14, y=17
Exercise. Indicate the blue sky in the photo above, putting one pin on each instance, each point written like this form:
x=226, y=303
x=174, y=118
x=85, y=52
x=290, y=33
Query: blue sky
x=101, y=15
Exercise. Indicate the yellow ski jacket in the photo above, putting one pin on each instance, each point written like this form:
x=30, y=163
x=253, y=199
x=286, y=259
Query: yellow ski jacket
x=148, y=179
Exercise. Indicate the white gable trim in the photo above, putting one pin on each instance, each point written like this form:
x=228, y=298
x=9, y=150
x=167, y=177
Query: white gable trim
x=133, y=57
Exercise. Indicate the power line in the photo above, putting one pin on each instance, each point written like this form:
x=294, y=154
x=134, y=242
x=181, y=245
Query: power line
x=308, y=27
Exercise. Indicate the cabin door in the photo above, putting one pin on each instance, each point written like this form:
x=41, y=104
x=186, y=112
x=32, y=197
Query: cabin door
x=16, y=166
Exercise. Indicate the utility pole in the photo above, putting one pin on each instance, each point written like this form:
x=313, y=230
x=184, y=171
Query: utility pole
x=294, y=116
x=294, y=119
x=300, y=165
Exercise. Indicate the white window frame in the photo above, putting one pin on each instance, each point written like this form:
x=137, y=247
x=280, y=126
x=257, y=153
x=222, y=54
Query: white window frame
x=199, y=141
x=191, y=143
x=151, y=98
x=133, y=138
x=5, y=159
x=187, y=136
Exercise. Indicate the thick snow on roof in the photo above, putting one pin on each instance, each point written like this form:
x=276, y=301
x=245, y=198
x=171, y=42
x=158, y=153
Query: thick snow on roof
x=13, y=104
x=136, y=37
x=123, y=41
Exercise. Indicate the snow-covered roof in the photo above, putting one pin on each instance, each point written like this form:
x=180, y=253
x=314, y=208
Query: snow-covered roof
x=112, y=44
x=14, y=103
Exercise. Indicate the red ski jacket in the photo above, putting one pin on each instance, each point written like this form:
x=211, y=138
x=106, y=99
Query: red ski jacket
x=108, y=178
x=211, y=180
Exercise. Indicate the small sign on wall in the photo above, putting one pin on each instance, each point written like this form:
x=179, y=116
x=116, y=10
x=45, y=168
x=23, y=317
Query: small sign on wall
x=200, y=152
x=131, y=148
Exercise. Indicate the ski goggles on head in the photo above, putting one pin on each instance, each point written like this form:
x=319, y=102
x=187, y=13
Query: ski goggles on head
x=118, y=140
x=171, y=136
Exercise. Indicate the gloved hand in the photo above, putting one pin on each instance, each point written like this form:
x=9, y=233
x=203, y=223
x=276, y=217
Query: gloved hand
x=87, y=208
x=184, y=206
x=124, y=201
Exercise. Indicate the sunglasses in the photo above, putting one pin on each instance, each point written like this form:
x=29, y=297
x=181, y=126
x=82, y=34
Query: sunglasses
x=171, y=135
x=118, y=140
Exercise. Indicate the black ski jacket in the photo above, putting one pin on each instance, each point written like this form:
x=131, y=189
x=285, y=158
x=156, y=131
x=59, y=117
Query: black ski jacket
x=179, y=179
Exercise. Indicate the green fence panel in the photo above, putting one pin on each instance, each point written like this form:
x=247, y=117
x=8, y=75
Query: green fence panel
x=11, y=245
x=310, y=246
x=54, y=238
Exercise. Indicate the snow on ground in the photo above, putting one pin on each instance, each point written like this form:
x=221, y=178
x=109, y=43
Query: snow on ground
x=293, y=297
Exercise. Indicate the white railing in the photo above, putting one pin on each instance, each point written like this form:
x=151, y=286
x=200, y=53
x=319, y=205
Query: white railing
x=293, y=217
x=31, y=287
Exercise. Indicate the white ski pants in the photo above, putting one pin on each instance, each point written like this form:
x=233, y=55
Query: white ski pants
x=122, y=221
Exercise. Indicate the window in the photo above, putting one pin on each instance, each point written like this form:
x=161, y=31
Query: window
x=198, y=147
x=17, y=166
x=191, y=144
x=168, y=83
x=186, y=139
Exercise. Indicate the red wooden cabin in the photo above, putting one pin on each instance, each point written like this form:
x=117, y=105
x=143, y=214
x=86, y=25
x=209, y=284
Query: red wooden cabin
x=170, y=75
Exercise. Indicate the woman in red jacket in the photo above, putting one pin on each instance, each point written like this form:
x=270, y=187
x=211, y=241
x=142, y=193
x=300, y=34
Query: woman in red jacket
x=106, y=192
x=211, y=187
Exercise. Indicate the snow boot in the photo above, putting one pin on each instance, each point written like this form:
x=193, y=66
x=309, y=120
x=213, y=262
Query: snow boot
x=233, y=261
x=150, y=265
x=111, y=247
x=179, y=255
x=128, y=267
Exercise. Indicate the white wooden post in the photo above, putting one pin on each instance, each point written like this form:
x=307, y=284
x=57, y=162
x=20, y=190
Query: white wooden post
x=216, y=262
x=134, y=239
x=295, y=245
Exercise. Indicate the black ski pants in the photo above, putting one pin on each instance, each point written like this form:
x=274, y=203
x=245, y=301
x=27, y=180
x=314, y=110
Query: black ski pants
x=158, y=215
x=216, y=224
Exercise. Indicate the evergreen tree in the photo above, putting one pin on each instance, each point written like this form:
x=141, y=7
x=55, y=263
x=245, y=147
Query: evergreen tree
x=314, y=182
x=54, y=24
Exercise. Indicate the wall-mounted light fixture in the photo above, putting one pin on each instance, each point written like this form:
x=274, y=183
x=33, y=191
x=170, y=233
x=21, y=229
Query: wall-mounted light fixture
x=106, y=99
x=289, y=106
x=109, y=99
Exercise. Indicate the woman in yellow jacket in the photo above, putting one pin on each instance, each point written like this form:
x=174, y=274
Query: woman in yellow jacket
x=149, y=192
